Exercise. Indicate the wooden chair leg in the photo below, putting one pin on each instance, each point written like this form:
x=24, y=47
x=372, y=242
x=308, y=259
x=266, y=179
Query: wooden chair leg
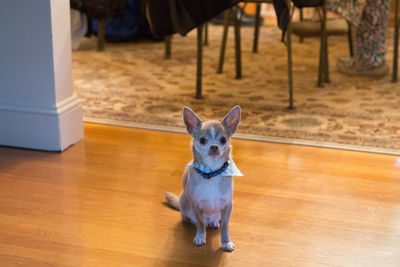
x=323, y=71
x=396, y=43
x=101, y=35
x=327, y=78
x=289, y=56
x=325, y=39
x=320, y=67
x=238, y=55
x=199, y=62
x=227, y=16
x=257, y=28
x=301, y=40
x=206, y=34
x=168, y=46
x=350, y=38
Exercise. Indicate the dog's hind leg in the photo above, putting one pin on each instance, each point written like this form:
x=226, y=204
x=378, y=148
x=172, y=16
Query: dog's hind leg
x=186, y=212
x=188, y=216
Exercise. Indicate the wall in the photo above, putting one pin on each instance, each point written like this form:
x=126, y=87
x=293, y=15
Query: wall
x=37, y=107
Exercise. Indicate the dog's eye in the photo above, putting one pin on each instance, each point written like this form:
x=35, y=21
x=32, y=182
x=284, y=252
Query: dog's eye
x=222, y=140
x=203, y=141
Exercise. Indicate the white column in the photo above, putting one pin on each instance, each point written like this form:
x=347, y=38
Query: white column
x=37, y=107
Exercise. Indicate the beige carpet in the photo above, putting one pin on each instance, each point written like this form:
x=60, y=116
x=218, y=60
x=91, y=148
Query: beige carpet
x=134, y=85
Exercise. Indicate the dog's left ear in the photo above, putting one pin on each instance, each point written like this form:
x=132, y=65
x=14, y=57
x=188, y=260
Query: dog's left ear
x=231, y=121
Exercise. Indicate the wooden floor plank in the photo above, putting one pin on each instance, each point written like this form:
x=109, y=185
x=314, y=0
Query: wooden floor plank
x=100, y=203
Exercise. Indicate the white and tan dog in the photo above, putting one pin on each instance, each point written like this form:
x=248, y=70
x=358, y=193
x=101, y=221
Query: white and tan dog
x=207, y=181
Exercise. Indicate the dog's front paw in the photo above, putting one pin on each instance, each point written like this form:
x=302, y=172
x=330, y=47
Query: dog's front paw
x=228, y=246
x=199, y=239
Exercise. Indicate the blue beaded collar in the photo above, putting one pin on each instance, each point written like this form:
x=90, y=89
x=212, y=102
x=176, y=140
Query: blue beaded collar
x=228, y=169
x=208, y=175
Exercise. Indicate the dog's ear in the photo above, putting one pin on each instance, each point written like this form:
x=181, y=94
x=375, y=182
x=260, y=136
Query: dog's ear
x=191, y=121
x=231, y=121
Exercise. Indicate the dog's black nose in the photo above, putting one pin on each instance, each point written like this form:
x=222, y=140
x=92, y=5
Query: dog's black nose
x=213, y=148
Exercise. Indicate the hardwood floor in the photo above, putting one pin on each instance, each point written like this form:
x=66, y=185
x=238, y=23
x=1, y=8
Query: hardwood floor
x=100, y=203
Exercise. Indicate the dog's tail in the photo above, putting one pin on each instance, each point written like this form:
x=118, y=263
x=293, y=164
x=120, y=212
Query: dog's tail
x=172, y=200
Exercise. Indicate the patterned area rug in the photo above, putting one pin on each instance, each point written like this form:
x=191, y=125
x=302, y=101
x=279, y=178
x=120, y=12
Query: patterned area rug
x=134, y=85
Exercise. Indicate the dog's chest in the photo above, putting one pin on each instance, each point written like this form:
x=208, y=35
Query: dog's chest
x=212, y=195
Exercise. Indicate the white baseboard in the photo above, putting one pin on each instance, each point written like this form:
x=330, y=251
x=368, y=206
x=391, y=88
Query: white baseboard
x=52, y=128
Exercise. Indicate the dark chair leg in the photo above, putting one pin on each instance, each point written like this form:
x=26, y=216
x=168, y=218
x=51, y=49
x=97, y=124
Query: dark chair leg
x=257, y=28
x=227, y=16
x=206, y=34
x=301, y=40
x=100, y=35
x=238, y=54
x=323, y=71
x=289, y=56
x=168, y=46
x=350, y=37
x=321, y=65
x=325, y=38
x=396, y=43
x=199, y=61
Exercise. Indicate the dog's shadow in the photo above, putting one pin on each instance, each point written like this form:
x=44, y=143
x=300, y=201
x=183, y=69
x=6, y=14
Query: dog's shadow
x=182, y=251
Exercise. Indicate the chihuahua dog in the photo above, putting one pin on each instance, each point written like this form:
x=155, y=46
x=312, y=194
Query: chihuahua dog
x=206, y=199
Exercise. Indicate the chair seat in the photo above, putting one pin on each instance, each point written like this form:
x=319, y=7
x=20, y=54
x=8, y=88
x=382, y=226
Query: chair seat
x=309, y=28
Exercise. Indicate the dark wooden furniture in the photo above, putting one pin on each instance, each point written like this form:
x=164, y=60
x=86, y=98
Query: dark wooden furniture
x=323, y=73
